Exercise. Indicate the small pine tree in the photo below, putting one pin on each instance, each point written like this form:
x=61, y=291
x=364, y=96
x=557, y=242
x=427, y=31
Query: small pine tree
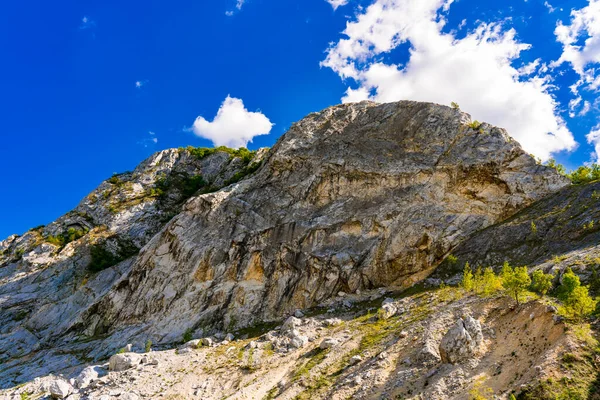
x=580, y=304
x=515, y=281
x=491, y=282
x=533, y=228
x=467, y=280
x=478, y=281
x=541, y=282
x=569, y=282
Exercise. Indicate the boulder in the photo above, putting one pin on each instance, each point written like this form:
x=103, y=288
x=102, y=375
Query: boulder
x=461, y=341
x=88, y=375
x=60, y=389
x=123, y=361
x=328, y=343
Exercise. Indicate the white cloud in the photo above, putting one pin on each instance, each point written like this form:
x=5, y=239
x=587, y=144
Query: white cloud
x=86, y=23
x=475, y=71
x=239, y=4
x=593, y=138
x=549, y=7
x=234, y=125
x=149, y=140
x=581, y=42
x=337, y=3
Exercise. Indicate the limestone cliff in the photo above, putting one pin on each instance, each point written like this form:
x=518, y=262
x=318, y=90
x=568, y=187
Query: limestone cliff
x=355, y=197
x=51, y=275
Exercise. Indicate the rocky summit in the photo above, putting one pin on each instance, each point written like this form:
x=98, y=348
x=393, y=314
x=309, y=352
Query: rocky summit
x=300, y=271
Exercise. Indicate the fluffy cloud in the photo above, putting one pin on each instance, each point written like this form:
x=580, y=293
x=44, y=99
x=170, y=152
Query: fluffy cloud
x=475, y=71
x=593, y=138
x=337, y=3
x=581, y=40
x=234, y=125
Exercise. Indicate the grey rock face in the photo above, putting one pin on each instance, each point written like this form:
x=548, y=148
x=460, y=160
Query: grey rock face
x=354, y=197
x=357, y=196
x=461, y=341
x=46, y=284
x=551, y=234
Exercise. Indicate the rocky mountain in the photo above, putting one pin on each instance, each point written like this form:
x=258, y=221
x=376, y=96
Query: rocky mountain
x=51, y=275
x=360, y=198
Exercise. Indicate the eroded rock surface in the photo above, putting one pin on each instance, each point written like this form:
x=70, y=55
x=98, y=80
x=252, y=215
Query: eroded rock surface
x=352, y=198
x=357, y=196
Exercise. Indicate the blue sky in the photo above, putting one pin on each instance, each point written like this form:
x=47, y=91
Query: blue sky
x=89, y=88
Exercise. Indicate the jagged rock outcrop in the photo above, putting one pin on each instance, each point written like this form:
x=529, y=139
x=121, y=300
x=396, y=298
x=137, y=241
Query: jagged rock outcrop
x=357, y=196
x=52, y=274
x=461, y=341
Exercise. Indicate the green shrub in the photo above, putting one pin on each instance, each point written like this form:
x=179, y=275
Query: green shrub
x=451, y=259
x=557, y=167
x=577, y=300
x=68, y=236
x=533, y=228
x=541, y=282
x=455, y=106
x=101, y=258
x=467, y=279
x=148, y=346
x=250, y=169
x=474, y=125
x=187, y=335
x=515, y=281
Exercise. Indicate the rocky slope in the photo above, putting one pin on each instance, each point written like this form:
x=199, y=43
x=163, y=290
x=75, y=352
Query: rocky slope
x=559, y=231
x=430, y=344
x=353, y=198
x=51, y=275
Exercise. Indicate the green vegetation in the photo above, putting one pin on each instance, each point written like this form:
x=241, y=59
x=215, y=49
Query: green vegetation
x=474, y=125
x=455, y=106
x=515, y=281
x=249, y=169
x=583, y=174
x=148, y=346
x=187, y=335
x=68, y=236
x=533, y=228
x=541, y=283
x=203, y=152
x=102, y=258
x=451, y=259
x=467, y=282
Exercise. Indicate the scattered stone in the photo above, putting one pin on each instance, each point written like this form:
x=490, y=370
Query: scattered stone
x=229, y=337
x=341, y=294
x=124, y=361
x=403, y=334
x=192, y=344
x=388, y=310
x=298, y=314
x=282, y=384
x=87, y=376
x=60, y=389
x=290, y=324
x=355, y=360
x=185, y=350
x=128, y=348
x=207, y=342
x=332, y=322
x=328, y=343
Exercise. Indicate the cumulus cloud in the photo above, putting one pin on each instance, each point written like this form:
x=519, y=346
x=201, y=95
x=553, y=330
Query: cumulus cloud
x=234, y=126
x=581, y=40
x=337, y=3
x=475, y=71
x=140, y=84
